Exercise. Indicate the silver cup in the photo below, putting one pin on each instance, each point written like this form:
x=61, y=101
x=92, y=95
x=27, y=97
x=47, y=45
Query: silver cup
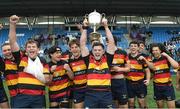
x=94, y=20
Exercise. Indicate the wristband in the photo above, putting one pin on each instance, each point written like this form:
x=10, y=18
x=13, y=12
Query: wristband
x=85, y=27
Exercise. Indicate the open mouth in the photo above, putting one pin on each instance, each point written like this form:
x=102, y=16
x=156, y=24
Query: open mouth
x=31, y=52
x=97, y=55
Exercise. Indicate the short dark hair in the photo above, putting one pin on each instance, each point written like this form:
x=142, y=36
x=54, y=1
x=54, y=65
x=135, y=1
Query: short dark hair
x=30, y=41
x=98, y=44
x=53, y=49
x=4, y=44
x=134, y=42
x=141, y=42
x=159, y=45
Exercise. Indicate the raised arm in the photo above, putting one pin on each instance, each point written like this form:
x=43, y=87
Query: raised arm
x=173, y=63
x=12, y=33
x=83, y=40
x=110, y=45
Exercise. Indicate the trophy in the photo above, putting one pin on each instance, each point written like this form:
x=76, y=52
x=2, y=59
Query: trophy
x=94, y=20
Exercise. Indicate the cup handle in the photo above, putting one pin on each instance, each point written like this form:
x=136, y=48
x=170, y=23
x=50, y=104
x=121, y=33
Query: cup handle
x=86, y=16
x=103, y=15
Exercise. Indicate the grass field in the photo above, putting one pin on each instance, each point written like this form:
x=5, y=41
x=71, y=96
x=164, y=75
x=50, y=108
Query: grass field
x=150, y=101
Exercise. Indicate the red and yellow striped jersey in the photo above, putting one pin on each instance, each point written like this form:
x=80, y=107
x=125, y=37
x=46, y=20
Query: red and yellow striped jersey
x=99, y=77
x=11, y=76
x=162, y=70
x=79, y=68
x=120, y=59
x=27, y=83
x=59, y=86
x=136, y=69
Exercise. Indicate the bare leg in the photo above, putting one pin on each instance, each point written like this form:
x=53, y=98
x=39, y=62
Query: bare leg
x=171, y=104
x=160, y=103
x=4, y=105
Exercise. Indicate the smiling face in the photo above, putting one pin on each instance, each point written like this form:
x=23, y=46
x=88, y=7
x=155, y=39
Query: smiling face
x=56, y=56
x=156, y=52
x=6, y=51
x=32, y=49
x=75, y=50
x=98, y=52
x=141, y=47
x=134, y=48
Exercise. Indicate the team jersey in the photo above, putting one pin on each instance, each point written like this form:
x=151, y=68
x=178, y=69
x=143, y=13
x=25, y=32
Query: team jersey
x=59, y=86
x=120, y=58
x=98, y=73
x=162, y=70
x=79, y=68
x=11, y=76
x=136, y=69
x=27, y=83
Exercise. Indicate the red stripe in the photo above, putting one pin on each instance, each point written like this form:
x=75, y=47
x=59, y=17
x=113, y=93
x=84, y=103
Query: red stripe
x=77, y=63
x=160, y=62
x=92, y=60
x=60, y=94
x=119, y=56
x=162, y=75
x=46, y=66
x=135, y=74
x=13, y=92
x=134, y=62
x=59, y=67
x=11, y=76
x=24, y=74
x=25, y=59
x=31, y=92
x=80, y=77
x=99, y=76
x=10, y=62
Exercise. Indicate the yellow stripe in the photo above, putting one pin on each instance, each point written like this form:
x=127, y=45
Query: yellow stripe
x=30, y=81
x=135, y=78
x=98, y=67
x=162, y=80
x=80, y=81
x=12, y=82
x=134, y=66
x=118, y=61
x=59, y=73
x=162, y=66
x=79, y=67
x=58, y=87
x=46, y=70
x=23, y=64
x=98, y=82
x=11, y=67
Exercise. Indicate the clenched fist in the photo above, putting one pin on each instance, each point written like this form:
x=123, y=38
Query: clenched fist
x=14, y=19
